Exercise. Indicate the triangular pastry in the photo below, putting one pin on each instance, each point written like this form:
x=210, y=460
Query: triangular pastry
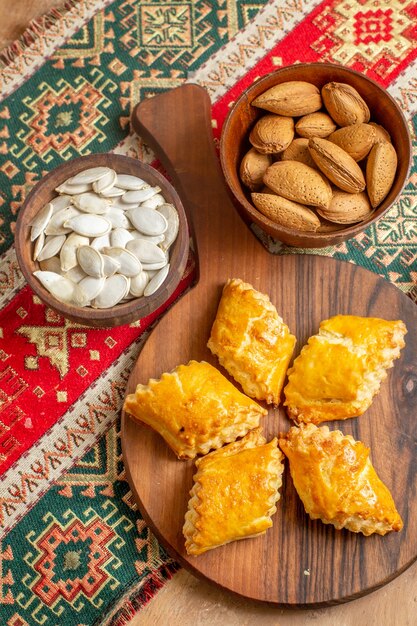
x=234, y=494
x=336, y=481
x=251, y=341
x=339, y=370
x=195, y=409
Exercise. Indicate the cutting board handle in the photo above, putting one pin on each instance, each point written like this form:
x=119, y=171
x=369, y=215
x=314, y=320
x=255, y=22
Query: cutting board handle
x=177, y=126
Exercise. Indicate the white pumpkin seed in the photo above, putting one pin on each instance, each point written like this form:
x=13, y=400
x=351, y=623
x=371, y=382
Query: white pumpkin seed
x=91, y=261
x=101, y=242
x=110, y=266
x=156, y=281
x=105, y=182
x=89, y=225
x=146, y=251
x=61, y=288
x=119, y=237
x=56, y=226
x=154, y=202
x=115, y=288
x=171, y=216
x=118, y=219
x=68, y=254
x=92, y=286
x=117, y=203
x=127, y=298
x=52, y=246
x=129, y=263
x=61, y=202
x=131, y=183
x=90, y=175
x=80, y=296
x=138, y=284
x=133, y=197
x=71, y=188
x=157, y=239
x=91, y=203
x=40, y=221
x=39, y=244
x=76, y=274
x=112, y=192
x=148, y=221
x=53, y=264
x=154, y=266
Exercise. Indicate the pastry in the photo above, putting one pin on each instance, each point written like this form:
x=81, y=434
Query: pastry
x=336, y=481
x=234, y=494
x=251, y=341
x=340, y=370
x=195, y=408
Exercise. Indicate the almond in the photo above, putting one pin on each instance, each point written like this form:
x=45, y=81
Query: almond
x=329, y=227
x=337, y=165
x=298, y=151
x=356, y=139
x=293, y=98
x=298, y=182
x=380, y=171
x=380, y=133
x=286, y=213
x=345, y=105
x=347, y=208
x=253, y=167
x=272, y=134
x=315, y=125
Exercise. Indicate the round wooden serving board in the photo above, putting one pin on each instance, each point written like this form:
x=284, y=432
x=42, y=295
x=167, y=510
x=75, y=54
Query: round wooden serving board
x=298, y=562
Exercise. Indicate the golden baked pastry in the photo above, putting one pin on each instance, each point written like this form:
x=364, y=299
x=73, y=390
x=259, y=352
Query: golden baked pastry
x=251, y=341
x=340, y=370
x=234, y=494
x=195, y=408
x=336, y=481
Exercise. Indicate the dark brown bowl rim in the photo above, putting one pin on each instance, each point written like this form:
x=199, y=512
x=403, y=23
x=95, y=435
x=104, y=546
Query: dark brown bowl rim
x=121, y=313
x=343, y=233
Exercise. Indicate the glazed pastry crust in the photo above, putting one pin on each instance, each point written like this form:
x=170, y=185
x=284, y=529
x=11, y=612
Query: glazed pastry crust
x=251, y=341
x=340, y=370
x=336, y=481
x=234, y=494
x=195, y=409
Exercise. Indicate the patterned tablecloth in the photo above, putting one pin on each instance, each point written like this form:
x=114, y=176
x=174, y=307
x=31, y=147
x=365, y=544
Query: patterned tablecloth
x=73, y=548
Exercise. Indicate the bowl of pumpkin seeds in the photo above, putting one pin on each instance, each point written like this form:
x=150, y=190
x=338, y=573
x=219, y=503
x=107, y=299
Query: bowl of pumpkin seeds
x=103, y=239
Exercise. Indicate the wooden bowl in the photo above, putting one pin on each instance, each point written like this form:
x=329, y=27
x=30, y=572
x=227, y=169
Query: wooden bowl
x=44, y=191
x=234, y=143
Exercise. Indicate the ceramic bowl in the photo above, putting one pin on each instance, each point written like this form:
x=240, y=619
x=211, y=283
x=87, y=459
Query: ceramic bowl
x=234, y=144
x=122, y=313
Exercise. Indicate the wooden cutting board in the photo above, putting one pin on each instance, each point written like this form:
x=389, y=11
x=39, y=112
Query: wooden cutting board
x=298, y=562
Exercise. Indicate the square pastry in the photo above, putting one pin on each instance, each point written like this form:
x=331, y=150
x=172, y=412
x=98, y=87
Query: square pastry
x=234, y=494
x=339, y=370
x=195, y=409
x=251, y=341
x=336, y=481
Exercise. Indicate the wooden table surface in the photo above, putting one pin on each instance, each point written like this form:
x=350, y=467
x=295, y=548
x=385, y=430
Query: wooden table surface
x=187, y=601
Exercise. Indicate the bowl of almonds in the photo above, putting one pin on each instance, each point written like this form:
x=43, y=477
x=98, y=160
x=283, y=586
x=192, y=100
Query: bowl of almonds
x=315, y=153
x=103, y=240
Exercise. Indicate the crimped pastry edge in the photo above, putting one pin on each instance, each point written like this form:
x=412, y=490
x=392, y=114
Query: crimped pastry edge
x=353, y=523
x=254, y=387
x=227, y=435
x=331, y=410
x=253, y=439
